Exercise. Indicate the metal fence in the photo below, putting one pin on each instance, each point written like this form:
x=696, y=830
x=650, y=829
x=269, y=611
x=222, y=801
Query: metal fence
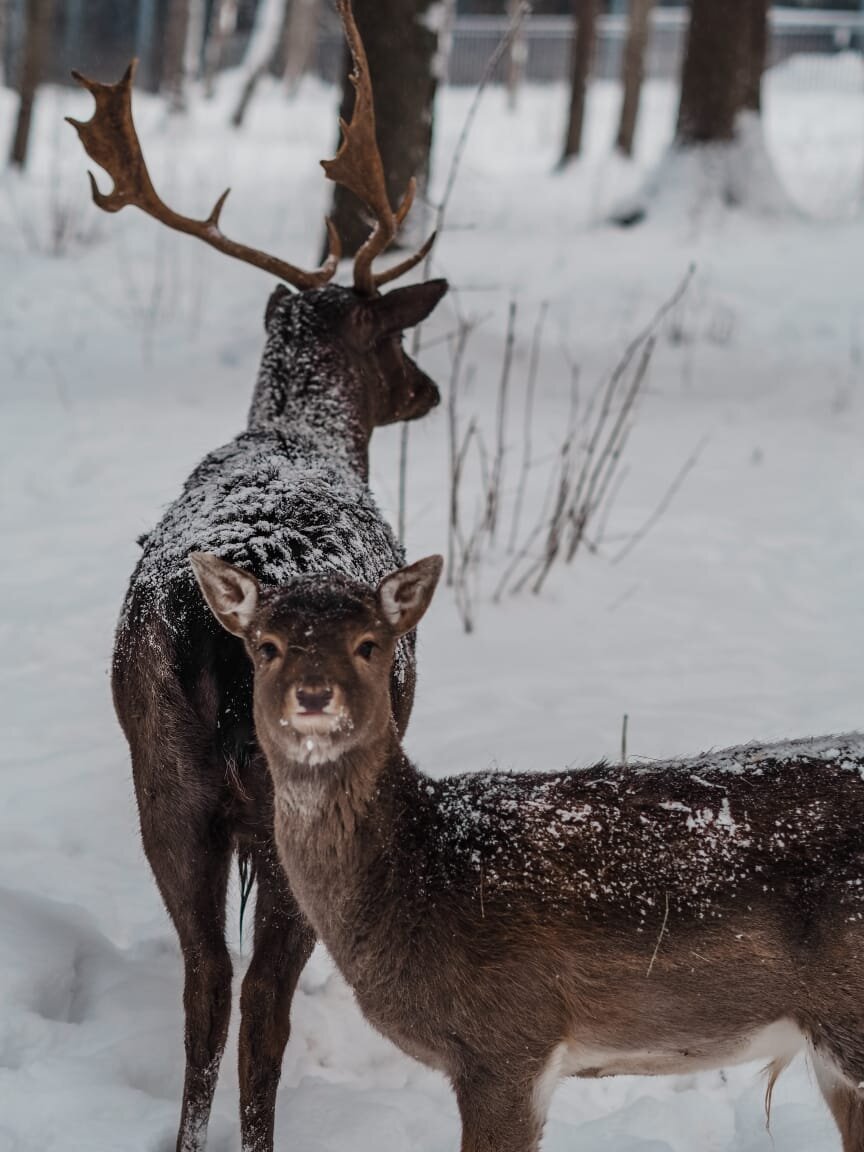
x=100, y=35
x=547, y=43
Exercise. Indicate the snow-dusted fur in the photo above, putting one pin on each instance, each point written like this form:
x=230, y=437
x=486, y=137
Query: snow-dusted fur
x=287, y=496
x=513, y=929
x=509, y=929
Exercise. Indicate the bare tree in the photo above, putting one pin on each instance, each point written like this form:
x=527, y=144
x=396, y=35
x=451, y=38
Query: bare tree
x=445, y=38
x=517, y=55
x=719, y=154
x=301, y=36
x=716, y=69
x=37, y=41
x=148, y=75
x=193, y=55
x=174, y=54
x=264, y=45
x=401, y=44
x=4, y=27
x=584, y=42
x=757, y=54
x=223, y=21
x=295, y=45
x=633, y=72
x=279, y=54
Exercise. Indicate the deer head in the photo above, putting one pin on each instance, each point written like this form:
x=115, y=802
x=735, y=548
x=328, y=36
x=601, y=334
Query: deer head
x=334, y=349
x=323, y=650
x=365, y=325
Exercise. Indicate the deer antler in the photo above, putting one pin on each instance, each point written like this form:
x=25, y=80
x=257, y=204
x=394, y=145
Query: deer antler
x=357, y=166
x=110, y=139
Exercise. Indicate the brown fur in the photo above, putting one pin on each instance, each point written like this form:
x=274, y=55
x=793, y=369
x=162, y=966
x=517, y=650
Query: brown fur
x=333, y=370
x=509, y=928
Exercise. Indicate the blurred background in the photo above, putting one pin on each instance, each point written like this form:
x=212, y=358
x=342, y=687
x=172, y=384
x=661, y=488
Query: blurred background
x=646, y=473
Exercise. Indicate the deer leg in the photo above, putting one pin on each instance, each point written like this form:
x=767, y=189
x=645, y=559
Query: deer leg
x=283, y=944
x=839, y=1086
x=189, y=850
x=499, y=1115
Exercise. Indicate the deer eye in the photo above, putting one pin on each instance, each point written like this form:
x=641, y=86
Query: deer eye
x=366, y=649
x=268, y=651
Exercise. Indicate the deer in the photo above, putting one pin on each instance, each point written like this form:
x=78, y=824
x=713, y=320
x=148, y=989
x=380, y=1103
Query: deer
x=289, y=495
x=508, y=928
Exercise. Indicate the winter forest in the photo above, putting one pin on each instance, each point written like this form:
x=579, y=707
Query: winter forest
x=631, y=424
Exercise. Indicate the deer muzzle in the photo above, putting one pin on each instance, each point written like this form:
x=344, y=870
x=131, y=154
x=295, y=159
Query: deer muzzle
x=315, y=708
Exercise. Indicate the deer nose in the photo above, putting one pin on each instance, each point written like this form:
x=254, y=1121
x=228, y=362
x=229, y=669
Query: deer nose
x=314, y=698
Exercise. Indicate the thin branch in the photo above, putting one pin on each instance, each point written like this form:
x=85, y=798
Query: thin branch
x=557, y=519
x=559, y=515
x=615, y=379
x=510, y=33
x=512, y=30
x=527, y=431
x=604, y=509
x=453, y=444
x=609, y=455
x=493, y=491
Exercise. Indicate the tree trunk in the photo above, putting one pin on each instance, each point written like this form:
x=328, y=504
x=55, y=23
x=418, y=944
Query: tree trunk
x=223, y=21
x=279, y=55
x=634, y=72
x=4, y=32
x=446, y=23
x=516, y=57
x=174, y=54
x=263, y=45
x=716, y=64
x=757, y=57
x=193, y=55
x=145, y=40
x=401, y=46
x=301, y=38
x=37, y=40
x=584, y=41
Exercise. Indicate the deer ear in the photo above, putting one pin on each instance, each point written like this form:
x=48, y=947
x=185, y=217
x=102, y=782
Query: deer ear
x=405, y=595
x=401, y=309
x=276, y=296
x=231, y=593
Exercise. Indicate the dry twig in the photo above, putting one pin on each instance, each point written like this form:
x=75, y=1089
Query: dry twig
x=530, y=391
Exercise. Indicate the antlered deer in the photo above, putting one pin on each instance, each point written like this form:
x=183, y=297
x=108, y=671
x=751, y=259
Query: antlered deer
x=511, y=929
x=288, y=495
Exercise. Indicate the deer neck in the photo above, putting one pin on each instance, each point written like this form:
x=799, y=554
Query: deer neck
x=334, y=824
x=308, y=394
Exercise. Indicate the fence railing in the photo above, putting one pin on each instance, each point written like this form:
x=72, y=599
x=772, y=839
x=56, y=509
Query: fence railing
x=103, y=46
x=547, y=43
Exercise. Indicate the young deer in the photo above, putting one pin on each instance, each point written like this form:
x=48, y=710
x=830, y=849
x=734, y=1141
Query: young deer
x=288, y=495
x=510, y=929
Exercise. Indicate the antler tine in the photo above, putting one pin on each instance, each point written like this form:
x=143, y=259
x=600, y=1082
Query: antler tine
x=357, y=166
x=406, y=265
x=110, y=139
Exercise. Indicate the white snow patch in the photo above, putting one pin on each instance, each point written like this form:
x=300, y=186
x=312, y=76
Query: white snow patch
x=133, y=353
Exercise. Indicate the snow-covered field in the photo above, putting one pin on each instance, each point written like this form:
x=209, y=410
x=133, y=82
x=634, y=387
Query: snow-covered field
x=126, y=352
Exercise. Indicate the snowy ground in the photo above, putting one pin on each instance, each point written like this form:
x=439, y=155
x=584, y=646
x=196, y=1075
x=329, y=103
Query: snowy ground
x=126, y=352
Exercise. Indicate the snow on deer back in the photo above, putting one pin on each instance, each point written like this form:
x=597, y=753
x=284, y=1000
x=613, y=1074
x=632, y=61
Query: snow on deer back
x=289, y=495
x=649, y=835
